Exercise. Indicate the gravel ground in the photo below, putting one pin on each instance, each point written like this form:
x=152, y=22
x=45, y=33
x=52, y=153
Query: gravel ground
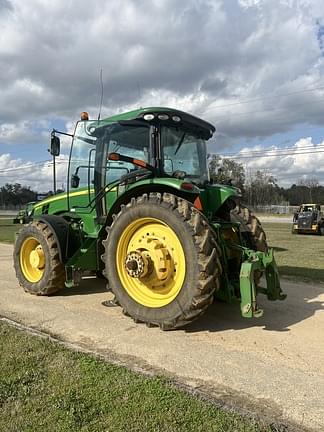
x=270, y=367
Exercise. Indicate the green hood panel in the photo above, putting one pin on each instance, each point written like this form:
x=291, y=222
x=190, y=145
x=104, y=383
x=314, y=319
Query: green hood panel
x=213, y=196
x=59, y=203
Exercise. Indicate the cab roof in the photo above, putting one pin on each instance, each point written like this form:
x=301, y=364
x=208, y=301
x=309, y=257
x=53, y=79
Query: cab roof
x=186, y=119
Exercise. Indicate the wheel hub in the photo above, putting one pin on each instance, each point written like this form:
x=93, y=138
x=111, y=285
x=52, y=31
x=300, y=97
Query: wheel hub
x=36, y=257
x=136, y=264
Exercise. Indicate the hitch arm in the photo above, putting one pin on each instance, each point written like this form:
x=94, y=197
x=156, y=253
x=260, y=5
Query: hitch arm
x=254, y=261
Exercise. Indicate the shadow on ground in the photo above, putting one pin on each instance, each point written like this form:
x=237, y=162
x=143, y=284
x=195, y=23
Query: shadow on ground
x=278, y=249
x=314, y=275
x=300, y=305
x=89, y=285
x=278, y=316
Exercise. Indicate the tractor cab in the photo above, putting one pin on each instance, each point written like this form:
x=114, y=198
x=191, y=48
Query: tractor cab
x=148, y=143
x=309, y=208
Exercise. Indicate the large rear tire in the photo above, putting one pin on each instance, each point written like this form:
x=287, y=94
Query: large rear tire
x=251, y=229
x=162, y=261
x=36, y=260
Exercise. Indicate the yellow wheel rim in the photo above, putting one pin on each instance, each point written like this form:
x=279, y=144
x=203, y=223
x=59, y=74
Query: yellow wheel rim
x=32, y=260
x=159, y=259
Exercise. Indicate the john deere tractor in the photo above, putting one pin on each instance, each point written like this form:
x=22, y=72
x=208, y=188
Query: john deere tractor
x=140, y=210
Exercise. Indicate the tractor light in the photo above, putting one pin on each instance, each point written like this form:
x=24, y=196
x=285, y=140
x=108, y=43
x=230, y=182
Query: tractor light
x=113, y=156
x=176, y=119
x=163, y=117
x=84, y=116
x=187, y=186
x=148, y=117
x=197, y=204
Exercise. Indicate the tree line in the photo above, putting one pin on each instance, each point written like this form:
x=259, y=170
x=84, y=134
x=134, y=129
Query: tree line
x=261, y=188
x=14, y=195
x=258, y=189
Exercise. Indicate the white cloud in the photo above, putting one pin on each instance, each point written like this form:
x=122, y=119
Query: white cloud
x=196, y=55
x=287, y=165
x=38, y=176
x=24, y=132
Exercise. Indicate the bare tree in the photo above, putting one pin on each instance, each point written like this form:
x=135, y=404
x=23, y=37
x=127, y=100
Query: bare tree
x=311, y=183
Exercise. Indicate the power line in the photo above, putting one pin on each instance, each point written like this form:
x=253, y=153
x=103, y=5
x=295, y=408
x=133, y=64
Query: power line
x=235, y=114
x=261, y=152
x=285, y=149
x=247, y=101
x=276, y=155
x=32, y=165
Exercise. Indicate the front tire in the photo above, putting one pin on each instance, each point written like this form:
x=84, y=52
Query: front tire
x=36, y=260
x=162, y=261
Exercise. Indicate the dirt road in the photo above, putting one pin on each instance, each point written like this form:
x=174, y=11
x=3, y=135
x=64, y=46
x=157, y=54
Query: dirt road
x=272, y=366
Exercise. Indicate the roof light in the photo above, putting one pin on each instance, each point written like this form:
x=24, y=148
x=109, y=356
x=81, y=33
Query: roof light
x=176, y=118
x=163, y=116
x=148, y=117
x=84, y=115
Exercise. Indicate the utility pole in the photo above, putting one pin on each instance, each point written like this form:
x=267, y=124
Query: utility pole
x=54, y=175
x=55, y=151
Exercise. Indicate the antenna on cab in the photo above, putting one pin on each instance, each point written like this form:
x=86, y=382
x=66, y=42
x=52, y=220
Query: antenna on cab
x=102, y=93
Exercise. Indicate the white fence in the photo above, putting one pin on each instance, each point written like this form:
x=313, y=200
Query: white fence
x=275, y=209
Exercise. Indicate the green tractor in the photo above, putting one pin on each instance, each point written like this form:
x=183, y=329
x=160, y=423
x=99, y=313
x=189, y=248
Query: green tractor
x=141, y=211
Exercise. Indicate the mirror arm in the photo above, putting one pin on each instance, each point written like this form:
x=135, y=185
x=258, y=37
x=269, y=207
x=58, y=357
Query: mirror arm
x=54, y=131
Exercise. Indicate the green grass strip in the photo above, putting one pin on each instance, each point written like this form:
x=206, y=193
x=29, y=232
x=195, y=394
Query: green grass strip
x=46, y=387
x=297, y=255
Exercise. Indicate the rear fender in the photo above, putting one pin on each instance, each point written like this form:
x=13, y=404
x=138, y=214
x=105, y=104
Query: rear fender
x=135, y=192
x=219, y=199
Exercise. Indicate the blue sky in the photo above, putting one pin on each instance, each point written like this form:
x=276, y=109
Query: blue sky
x=254, y=68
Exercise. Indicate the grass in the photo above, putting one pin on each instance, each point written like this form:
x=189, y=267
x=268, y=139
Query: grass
x=8, y=230
x=45, y=387
x=297, y=255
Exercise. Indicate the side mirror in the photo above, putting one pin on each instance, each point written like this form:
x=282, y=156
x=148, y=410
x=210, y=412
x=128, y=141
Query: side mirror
x=75, y=181
x=55, y=145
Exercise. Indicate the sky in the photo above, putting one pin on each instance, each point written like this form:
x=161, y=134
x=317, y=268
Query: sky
x=253, y=68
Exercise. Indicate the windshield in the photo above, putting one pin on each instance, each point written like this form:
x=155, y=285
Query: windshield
x=184, y=155
x=132, y=141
